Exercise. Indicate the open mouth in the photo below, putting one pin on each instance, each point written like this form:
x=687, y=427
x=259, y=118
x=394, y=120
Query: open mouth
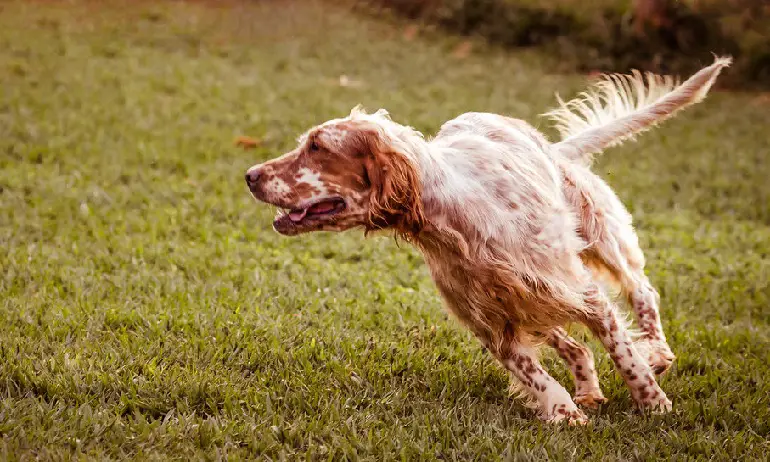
x=314, y=212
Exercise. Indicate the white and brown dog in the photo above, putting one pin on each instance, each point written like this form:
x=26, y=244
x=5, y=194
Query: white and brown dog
x=516, y=230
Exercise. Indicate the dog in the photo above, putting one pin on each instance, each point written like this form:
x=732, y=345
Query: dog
x=517, y=231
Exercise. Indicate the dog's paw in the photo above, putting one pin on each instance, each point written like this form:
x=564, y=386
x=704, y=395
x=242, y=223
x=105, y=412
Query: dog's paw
x=659, y=405
x=563, y=413
x=657, y=353
x=591, y=399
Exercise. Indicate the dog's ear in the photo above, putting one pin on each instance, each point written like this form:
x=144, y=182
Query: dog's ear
x=395, y=199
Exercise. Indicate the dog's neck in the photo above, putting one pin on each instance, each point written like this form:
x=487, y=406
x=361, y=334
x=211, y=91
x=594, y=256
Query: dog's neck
x=440, y=187
x=461, y=213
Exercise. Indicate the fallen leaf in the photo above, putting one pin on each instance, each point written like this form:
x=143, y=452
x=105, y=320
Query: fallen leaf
x=463, y=49
x=247, y=142
x=410, y=32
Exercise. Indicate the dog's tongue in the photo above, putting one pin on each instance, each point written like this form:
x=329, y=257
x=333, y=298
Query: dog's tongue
x=297, y=215
x=322, y=207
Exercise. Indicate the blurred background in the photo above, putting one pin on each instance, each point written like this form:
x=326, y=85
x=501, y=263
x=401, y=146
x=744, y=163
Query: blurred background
x=669, y=36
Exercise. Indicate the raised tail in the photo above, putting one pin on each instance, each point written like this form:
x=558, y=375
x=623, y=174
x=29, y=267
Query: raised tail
x=620, y=106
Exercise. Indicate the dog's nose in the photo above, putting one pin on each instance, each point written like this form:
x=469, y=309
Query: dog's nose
x=252, y=176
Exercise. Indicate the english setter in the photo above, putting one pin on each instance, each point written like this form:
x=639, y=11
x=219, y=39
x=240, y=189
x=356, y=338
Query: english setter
x=517, y=231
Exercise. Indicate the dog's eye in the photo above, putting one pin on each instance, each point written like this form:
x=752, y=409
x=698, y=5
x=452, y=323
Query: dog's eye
x=314, y=146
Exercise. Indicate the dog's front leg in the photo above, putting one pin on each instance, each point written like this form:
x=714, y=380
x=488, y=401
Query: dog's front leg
x=543, y=392
x=581, y=363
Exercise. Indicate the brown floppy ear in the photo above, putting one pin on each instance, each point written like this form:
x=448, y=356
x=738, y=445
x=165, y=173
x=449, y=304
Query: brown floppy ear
x=395, y=200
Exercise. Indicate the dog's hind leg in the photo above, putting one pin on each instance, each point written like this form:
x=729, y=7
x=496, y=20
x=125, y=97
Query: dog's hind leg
x=604, y=323
x=618, y=250
x=652, y=344
x=606, y=226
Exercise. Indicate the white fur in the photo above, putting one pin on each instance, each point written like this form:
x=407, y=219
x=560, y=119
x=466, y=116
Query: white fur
x=278, y=187
x=312, y=178
x=620, y=106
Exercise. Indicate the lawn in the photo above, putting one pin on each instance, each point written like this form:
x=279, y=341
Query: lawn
x=150, y=311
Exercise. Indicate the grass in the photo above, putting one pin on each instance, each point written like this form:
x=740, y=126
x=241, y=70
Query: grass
x=149, y=311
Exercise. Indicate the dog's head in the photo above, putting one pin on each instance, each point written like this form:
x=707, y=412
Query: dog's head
x=345, y=173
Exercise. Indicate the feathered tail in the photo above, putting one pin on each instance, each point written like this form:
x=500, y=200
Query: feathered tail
x=620, y=106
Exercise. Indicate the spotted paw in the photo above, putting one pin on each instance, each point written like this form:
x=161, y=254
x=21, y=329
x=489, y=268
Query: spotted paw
x=562, y=414
x=658, y=405
x=591, y=399
x=657, y=353
x=573, y=418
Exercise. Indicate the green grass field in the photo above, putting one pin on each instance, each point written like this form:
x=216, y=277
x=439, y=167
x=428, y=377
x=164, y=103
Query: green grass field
x=148, y=309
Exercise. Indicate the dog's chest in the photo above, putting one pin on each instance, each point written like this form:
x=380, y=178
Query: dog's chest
x=483, y=295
